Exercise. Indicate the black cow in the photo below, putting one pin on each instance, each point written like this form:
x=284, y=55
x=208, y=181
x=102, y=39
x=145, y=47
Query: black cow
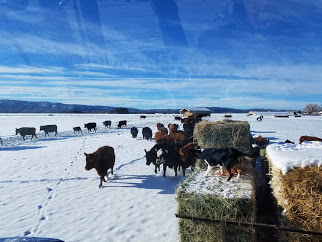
x=134, y=132
x=1, y=143
x=122, y=123
x=151, y=155
x=90, y=126
x=48, y=129
x=26, y=131
x=177, y=118
x=77, y=130
x=107, y=123
x=147, y=133
x=169, y=157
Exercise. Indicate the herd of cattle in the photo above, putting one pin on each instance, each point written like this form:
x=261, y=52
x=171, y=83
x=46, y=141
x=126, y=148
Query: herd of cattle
x=174, y=148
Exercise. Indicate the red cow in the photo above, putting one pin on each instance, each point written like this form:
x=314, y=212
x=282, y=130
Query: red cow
x=162, y=135
x=187, y=157
x=309, y=138
x=102, y=160
x=261, y=142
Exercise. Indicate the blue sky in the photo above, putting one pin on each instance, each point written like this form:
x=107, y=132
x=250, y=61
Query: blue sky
x=162, y=53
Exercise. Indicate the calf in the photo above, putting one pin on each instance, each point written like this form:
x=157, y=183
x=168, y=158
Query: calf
x=90, y=126
x=77, y=130
x=147, y=133
x=49, y=128
x=309, y=138
x=122, y=123
x=187, y=156
x=227, y=157
x=102, y=160
x=107, y=123
x=169, y=157
x=134, y=132
x=26, y=131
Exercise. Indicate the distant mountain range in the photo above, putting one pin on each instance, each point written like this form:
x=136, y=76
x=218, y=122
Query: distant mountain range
x=15, y=106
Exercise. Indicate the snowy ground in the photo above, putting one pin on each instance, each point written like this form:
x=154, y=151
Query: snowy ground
x=46, y=192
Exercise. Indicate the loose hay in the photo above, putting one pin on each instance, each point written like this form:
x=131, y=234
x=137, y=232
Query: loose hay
x=213, y=197
x=299, y=193
x=225, y=133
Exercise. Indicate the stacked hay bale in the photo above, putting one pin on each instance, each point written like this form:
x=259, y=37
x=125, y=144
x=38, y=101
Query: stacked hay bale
x=213, y=197
x=299, y=193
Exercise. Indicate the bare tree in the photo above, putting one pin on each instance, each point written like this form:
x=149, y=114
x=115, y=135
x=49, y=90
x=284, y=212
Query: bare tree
x=311, y=108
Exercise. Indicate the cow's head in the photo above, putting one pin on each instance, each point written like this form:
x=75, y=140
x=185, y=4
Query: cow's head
x=89, y=161
x=197, y=153
x=41, y=128
x=17, y=131
x=150, y=156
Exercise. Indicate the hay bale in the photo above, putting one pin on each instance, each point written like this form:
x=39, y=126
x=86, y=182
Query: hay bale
x=212, y=197
x=225, y=133
x=299, y=193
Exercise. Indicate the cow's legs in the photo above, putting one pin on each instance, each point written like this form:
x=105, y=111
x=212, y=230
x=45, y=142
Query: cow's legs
x=175, y=170
x=164, y=169
x=101, y=181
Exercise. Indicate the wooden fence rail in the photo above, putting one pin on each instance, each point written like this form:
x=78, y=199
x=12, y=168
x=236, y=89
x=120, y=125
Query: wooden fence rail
x=223, y=224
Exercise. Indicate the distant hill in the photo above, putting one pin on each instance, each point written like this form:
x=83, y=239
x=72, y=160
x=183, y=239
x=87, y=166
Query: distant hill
x=15, y=106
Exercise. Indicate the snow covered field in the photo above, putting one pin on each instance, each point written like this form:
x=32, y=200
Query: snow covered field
x=46, y=192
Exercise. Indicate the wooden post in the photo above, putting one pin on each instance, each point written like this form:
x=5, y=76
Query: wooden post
x=223, y=231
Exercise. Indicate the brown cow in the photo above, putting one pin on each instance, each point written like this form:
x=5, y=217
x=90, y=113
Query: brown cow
x=159, y=126
x=309, y=138
x=187, y=157
x=261, y=142
x=173, y=128
x=179, y=137
x=102, y=160
x=161, y=135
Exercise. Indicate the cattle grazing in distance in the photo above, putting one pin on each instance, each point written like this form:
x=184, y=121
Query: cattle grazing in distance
x=177, y=118
x=48, y=129
x=260, y=118
x=309, y=138
x=26, y=131
x=77, y=130
x=90, y=126
x=1, y=143
x=134, y=132
x=147, y=133
x=122, y=123
x=107, y=123
x=289, y=142
x=102, y=160
x=142, y=116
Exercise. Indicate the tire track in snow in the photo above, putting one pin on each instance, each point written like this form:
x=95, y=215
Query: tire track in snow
x=42, y=215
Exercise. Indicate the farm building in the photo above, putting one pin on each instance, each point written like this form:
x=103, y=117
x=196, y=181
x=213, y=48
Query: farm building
x=195, y=112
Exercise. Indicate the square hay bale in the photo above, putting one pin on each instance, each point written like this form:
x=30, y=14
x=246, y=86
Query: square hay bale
x=213, y=197
x=299, y=193
x=225, y=133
